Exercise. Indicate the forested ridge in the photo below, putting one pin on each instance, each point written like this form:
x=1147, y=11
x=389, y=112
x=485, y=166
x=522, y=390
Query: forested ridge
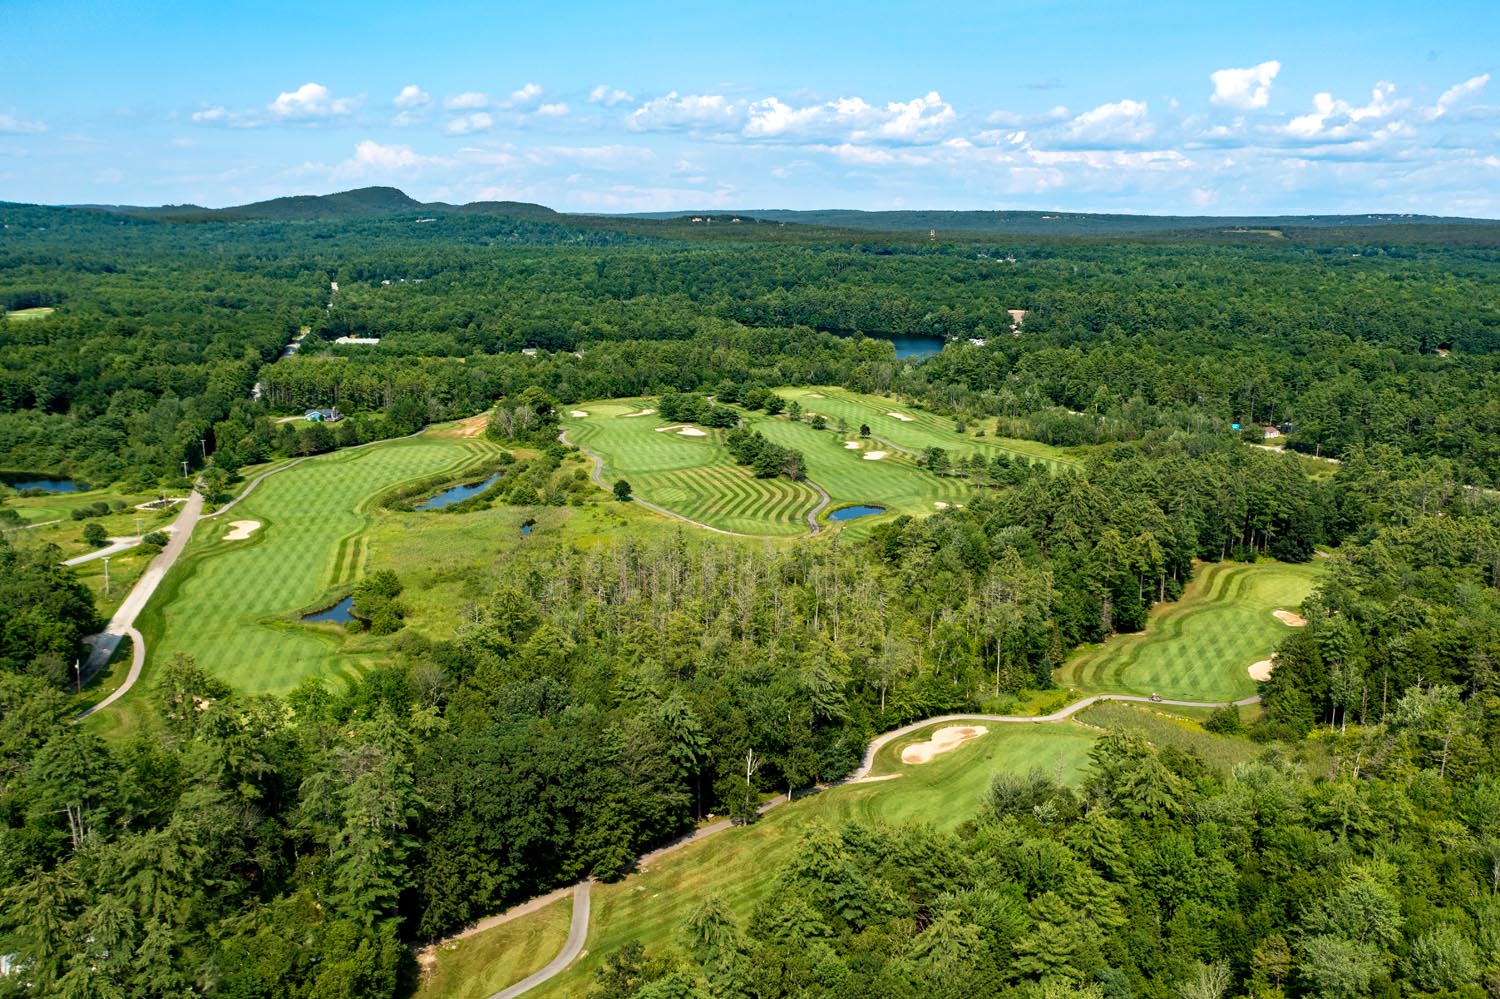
x=608, y=692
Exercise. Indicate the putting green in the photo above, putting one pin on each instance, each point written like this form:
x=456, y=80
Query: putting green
x=233, y=605
x=1199, y=647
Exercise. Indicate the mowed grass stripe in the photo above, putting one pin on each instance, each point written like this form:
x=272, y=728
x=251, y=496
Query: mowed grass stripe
x=233, y=605
x=1199, y=648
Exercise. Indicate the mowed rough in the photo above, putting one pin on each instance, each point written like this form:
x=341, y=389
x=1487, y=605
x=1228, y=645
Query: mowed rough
x=232, y=604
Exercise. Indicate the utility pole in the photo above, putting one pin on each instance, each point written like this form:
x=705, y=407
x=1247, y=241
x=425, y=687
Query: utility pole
x=203, y=446
x=106, y=575
x=78, y=672
x=184, y=468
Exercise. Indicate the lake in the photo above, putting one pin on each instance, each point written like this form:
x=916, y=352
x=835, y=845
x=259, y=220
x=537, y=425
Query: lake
x=914, y=346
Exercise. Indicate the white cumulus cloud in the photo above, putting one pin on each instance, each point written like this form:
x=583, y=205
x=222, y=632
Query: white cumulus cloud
x=310, y=101
x=1119, y=123
x=1245, y=89
x=411, y=98
x=1337, y=120
x=526, y=96
x=691, y=111
x=476, y=121
x=1458, y=94
x=468, y=101
x=373, y=159
x=552, y=110
x=608, y=96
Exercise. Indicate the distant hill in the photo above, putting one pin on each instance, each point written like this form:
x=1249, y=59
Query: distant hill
x=947, y=223
x=845, y=224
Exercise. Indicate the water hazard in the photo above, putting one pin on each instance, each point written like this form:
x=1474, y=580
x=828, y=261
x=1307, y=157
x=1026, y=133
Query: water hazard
x=24, y=482
x=340, y=613
x=851, y=512
x=457, y=494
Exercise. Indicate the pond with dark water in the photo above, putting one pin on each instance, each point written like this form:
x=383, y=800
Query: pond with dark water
x=44, y=484
x=457, y=494
x=914, y=346
x=851, y=512
x=340, y=613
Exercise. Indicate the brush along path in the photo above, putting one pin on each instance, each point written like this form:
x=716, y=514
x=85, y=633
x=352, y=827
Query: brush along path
x=1201, y=644
x=762, y=855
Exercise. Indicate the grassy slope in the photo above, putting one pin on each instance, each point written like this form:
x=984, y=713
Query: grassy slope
x=1199, y=647
x=234, y=604
x=483, y=965
x=740, y=865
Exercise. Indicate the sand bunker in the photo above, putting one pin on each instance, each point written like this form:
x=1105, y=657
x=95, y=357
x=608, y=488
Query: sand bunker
x=675, y=426
x=1261, y=671
x=940, y=505
x=943, y=740
x=900, y=416
x=242, y=529
x=874, y=455
x=644, y=412
x=815, y=395
x=577, y=414
x=1289, y=619
x=853, y=445
x=691, y=432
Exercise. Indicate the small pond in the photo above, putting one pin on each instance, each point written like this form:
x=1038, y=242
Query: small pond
x=850, y=512
x=456, y=494
x=341, y=612
x=21, y=482
x=525, y=530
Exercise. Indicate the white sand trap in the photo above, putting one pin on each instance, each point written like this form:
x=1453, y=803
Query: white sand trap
x=644, y=412
x=675, y=426
x=1289, y=619
x=1261, y=671
x=874, y=455
x=242, y=529
x=942, y=741
x=577, y=414
x=815, y=395
x=691, y=432
x=900, y=416
x=853, y=445
x=940, y=505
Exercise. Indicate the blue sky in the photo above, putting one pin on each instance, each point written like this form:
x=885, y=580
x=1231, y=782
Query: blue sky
x=1188, y=108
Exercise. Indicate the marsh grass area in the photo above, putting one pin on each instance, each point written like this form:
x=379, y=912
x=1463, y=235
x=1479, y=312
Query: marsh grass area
x=696, y=477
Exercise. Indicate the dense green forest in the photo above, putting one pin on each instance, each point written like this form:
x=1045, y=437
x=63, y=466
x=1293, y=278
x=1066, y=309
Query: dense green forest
x=607, y=695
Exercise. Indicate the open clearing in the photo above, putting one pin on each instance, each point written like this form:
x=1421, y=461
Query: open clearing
x=233, y=604
x=26, y=315
x=944, y=740
x=1199, y=647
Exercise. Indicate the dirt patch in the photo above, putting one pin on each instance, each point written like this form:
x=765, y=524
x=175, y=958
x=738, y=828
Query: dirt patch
x=242, y=529
x=901, y=416
x=472, y=427
x=644, y=412
x=853, y=445
x=691, y=432
x=942, y=741
x=1289, y=619
x=1261, y=671
x=874, y=455
x=577, y=414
